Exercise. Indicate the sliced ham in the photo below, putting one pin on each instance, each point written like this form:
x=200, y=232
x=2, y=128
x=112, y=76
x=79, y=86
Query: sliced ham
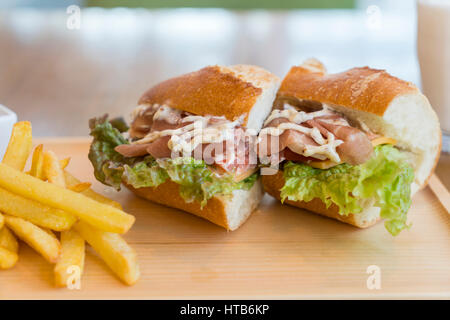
x=132, y=150
x=231, y=157
x=145, y=122
x=142, y=124
x=159, y=149
x=295, y=140
x=355, y=149
x=288, y=154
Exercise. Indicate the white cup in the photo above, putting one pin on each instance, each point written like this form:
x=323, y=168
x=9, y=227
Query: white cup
x=7, y=120
x=433, y=48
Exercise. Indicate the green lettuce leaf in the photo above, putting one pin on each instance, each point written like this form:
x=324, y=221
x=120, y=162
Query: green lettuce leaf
x=198, y=182
x=146, y=173
x=106, y=161
x=386, y=178
x=196, y=179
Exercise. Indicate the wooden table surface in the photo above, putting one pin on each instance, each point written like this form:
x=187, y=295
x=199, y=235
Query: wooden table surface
x=59, y=78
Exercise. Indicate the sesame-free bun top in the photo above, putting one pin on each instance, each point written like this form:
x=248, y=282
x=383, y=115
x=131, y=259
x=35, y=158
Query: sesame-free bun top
x=220, y=91
x=387, y=105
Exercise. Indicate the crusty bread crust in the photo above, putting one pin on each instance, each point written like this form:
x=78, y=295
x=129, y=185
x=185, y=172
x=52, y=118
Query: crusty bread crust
x=273, y=183
x=213, y=90
x=359, y=89
x=217, y=210
x=168, y=195
x=363, y=89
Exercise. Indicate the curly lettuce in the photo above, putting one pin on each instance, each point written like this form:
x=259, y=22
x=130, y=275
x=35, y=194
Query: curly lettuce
x=104, y=158
x=145, y=173
x=198, y=182
x=383, y=181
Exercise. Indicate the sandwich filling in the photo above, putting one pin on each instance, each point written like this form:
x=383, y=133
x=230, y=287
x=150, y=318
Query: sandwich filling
x=309, y=137
x=164, y=132
x=205, y=155
x=325, y=155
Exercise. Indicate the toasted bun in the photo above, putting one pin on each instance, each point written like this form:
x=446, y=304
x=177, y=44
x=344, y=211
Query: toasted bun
x=220, y=91
x=370, y=216
x=229, y=212
x=387, y=105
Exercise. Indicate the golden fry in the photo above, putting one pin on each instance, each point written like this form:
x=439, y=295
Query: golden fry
x=50, y=233
x=80, y=188
x=64, y=163
x=72, y=254
x=37, y=163
x=72, y=181
x=52, y=169
x=114, y=250
x=35, y=212
x=45, y=244
x=2, y=221
x=104, y=217
x=8, y=259
x=19, y=147
x=8, y=241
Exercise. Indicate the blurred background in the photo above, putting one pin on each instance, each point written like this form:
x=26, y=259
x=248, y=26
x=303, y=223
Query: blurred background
x=63, y=62
x=60, y=66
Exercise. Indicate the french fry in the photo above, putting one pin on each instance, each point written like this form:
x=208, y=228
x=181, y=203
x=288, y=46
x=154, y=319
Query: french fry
x=2, y=221
x=114, y=250
x=80, y=188
x=104, y=217
x=35, y=212
x=46, y=245
x=52, y=169
x=19, y=147
x=64, y=163
x=8, y=241
x=72, y=181
x=37, y=163
x=72, y=254
x=50, y=233
x=8, y=259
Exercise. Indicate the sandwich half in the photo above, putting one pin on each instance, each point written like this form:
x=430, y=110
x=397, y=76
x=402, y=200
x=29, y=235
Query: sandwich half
x=353, y=146
x=189, y=145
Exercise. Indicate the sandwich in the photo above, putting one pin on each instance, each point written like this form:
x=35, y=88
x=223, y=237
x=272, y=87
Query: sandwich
x=190, y=143
x=352, y=146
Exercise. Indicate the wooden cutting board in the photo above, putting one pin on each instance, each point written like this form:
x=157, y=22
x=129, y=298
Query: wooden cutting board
x=280, y=252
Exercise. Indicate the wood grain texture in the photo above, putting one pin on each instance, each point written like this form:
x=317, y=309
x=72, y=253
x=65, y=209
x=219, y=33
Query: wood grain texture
x=280, y=252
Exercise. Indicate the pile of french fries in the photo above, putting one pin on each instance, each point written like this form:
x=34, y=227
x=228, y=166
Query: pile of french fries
x=55, y=214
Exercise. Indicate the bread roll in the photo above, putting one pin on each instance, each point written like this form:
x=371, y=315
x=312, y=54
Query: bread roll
x=235, y=91
x=385, y=104
x=220, y=91
x=229, y=212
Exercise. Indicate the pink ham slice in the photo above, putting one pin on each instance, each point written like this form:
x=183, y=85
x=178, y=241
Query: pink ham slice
x=132, y=150
x=292, y=139
x=355, y=150
x=213, y=154
x=157, y=149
